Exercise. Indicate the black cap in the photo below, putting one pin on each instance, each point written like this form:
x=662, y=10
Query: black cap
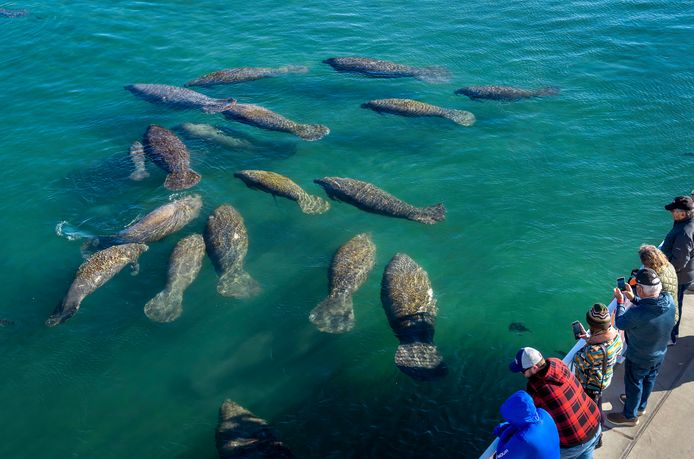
x=647, y=277
x=681, y=203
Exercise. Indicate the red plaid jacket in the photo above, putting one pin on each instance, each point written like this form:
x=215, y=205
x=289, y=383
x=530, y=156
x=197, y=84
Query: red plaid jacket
x=558, y=391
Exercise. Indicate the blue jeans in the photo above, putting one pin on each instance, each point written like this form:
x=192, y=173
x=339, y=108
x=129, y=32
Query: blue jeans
x=681, y=288
x=582, y=451
x=639, y=380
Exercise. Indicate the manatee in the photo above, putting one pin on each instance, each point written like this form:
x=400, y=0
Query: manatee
x=409, y=107
x=349, y=269
x=373, y=199
x=178, y=97
x=137, y=155
x=184, y=266
x=241, y=434
x=505, y=92
x=213, y=134
x=226, y=240
x=158, y=224
x=383, y=69
x=279, y=185
x=518, y=327
x=409, y=304
x=6, y=322
x=241, y=74
x=261, y=117
x=167, y=151
x=94, y=273
x=5, y=13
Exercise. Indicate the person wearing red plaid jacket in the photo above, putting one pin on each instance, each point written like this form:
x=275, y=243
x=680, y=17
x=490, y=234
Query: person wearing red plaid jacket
x=556, y=389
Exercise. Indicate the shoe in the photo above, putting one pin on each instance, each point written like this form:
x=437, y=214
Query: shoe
x=619, y=420
x=623, y=399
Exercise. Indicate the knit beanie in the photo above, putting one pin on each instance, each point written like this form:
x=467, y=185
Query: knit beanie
x=599, y=317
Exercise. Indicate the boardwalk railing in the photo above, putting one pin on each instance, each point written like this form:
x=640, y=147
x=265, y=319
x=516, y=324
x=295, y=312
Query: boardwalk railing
x=491, y=449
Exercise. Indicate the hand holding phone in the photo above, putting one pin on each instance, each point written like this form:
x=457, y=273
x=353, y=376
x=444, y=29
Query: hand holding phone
x=578, y=329
x=621, y=284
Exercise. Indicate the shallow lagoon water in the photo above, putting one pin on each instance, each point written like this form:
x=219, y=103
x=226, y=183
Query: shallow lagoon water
x=548, y=201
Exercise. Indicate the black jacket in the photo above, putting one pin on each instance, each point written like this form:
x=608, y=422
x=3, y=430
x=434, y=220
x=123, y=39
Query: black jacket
x=679, y=249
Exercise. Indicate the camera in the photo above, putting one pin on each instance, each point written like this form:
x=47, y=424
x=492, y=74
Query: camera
x=621, y=284
x=578, y=329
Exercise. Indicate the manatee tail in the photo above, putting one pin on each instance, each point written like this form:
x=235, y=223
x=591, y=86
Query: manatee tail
x=547, y=91
x=181, y=180
x=433, y=75
x=430, y=215
x=313, y=204
x=460, y=117
x=166, y=306
x=293, y=69
x=420, y=361
x=335, y=314
x=219, y=105
x=139, y=174
x=237, y=284
x=311, y=131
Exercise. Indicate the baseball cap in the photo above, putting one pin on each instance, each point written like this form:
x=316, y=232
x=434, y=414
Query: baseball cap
x=526, y=357
x=647, y=276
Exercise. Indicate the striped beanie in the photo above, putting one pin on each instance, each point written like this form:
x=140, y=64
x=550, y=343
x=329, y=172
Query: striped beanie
x=599, y=317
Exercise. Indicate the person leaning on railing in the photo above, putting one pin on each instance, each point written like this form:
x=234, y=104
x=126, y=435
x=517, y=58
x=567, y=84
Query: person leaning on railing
x=594, y=362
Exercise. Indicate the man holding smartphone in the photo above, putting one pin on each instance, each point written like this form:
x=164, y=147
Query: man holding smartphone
x=647, y=325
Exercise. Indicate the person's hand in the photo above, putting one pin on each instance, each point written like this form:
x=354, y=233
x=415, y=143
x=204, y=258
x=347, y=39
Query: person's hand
x=629, y=292
x=584, y=336
x=618, y=295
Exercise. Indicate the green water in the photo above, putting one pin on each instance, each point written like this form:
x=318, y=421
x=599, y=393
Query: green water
x=548, y=200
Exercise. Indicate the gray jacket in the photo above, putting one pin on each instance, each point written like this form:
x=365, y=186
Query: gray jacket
x=679, y=249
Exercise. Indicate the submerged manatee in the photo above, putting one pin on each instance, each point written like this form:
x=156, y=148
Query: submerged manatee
x=226, y=239
x=137, y=156
x=241, y=434
x=409, y=303
x=94, y=273
x=384, y=69
x=213, y=134
x=373, y=199
x=158, y=224
x=280, y=185
x=261, y=117
x=518, y=327
x=167, y=151
x=184, y=266
x=178, y=97
x=5, y=13
x=241, y=74
x=349, y=269
x=413, y=108
x=505, y=92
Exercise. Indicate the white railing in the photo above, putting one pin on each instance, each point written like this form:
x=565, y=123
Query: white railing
x=491, y=449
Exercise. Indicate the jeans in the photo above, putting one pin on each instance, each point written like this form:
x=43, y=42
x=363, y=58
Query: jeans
x=582, y=451
x=639, y=380
x=681, y=288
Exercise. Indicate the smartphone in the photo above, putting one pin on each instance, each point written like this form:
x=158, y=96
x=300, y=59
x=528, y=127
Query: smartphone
x=578, y=329
x=621, y=284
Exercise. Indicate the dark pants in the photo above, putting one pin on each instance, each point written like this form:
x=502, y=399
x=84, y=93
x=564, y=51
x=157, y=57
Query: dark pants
x=681, y=288
x=639, y=380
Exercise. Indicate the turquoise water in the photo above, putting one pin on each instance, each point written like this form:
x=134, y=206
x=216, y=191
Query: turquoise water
x=548, y=201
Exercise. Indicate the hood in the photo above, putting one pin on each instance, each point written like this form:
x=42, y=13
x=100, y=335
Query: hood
x=519, y=409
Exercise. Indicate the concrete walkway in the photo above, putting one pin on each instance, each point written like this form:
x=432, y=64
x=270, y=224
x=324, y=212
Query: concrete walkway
x=666, y=430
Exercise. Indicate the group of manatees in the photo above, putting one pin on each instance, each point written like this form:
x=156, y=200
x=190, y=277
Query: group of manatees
x=406, y=293
x=255, y=115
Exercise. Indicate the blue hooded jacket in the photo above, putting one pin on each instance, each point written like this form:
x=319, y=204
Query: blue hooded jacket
x=529, y=433
x=647, y=325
